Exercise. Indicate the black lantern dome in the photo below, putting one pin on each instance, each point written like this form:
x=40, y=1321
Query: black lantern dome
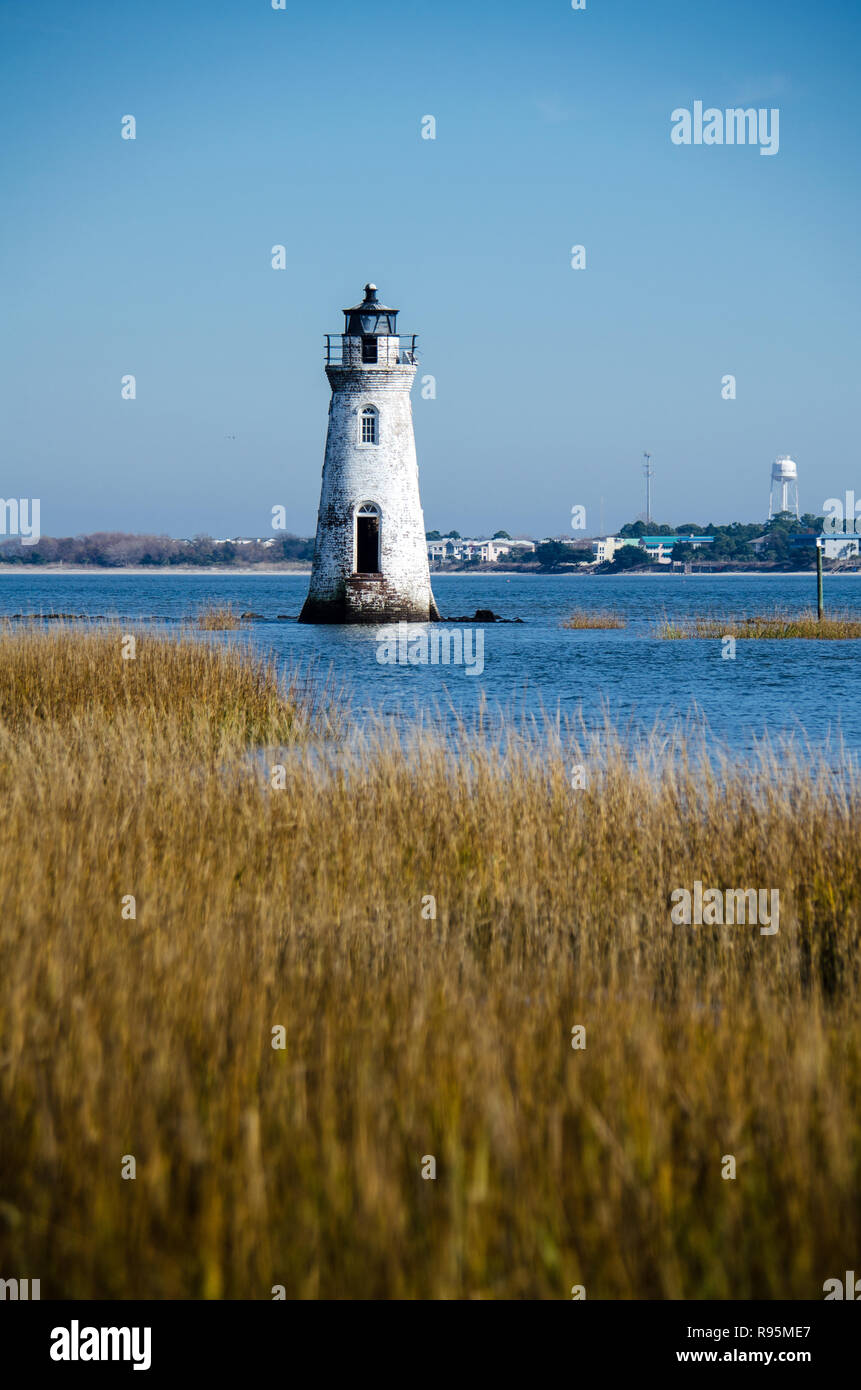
x=370, y=319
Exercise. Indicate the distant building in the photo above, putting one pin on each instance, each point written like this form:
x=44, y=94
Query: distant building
x=488, y=552
x=659, y=548
x=695, y=541
x=833, y=547
x=605, y=547
x=840, y=547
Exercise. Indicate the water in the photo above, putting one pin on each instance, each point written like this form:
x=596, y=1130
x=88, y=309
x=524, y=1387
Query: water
x=778, y=688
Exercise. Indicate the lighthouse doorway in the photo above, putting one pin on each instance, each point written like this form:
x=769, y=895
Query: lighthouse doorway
x=368, y=539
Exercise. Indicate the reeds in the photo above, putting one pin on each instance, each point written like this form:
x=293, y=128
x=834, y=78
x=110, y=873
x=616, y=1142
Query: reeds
x=780, y=623
x=92, y=677
x=426, y=927
x=593, y=618
x=218, y=617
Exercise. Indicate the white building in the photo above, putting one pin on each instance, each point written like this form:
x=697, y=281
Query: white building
x=840, y=547
x=370, y=558
x=248, y=540
x=605, y=547
x=659, y=548
x=455, y=548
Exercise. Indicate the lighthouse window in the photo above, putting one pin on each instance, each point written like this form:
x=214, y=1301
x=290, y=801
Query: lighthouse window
x=369, y=349
x=369, y=425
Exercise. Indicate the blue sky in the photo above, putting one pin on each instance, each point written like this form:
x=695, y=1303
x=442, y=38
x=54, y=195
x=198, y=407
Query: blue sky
x=302, y=127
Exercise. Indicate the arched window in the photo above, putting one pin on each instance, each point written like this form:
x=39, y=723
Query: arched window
x=370, y=422
x=368, y=538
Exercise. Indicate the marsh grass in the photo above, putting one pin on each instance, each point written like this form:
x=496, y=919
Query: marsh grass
x=218, y=617
x=224, y=697
x=593, y=618
x=409, y=1036
x=781, y=623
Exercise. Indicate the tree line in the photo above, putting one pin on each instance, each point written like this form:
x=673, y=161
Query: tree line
x=732, y=542
x=118, y=550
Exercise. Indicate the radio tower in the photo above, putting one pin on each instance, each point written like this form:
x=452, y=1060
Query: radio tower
x=648, y=474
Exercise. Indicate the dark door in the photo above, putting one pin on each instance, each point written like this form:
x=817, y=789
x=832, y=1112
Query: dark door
x=368, y=544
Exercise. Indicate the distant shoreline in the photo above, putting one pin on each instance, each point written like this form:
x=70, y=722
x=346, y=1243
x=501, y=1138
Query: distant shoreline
x=120, y=570
x=165, y=571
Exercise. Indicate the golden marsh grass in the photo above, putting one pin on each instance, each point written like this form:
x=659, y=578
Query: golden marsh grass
x=408, y=1035
x=61, y=675
x=786, y=624
x=218, y=617
x=593, y=618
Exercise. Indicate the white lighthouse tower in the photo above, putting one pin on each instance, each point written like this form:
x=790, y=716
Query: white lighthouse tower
x=370, y=555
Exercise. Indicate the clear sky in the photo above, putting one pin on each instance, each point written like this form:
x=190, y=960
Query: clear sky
x=302, y=127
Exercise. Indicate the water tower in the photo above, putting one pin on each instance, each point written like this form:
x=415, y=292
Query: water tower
x=784, y=487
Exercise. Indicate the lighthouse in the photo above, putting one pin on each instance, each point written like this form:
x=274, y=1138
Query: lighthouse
x=370, y=555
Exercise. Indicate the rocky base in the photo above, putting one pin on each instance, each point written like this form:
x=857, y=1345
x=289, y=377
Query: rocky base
x=368, y=598
x=483, y=615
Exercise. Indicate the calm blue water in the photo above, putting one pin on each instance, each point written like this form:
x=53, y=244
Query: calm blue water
x=771, y=687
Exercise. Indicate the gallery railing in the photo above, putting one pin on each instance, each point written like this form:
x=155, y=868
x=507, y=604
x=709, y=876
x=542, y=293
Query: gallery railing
x=343, y=351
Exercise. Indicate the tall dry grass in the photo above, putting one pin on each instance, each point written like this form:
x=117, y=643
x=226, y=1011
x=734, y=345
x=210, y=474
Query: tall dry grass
x=218, y=617
x=92, y=677
x=593, y=618
x=410, y=1036
x=781, y=623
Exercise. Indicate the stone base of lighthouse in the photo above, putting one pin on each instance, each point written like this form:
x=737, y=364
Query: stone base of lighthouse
x=369, y=598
